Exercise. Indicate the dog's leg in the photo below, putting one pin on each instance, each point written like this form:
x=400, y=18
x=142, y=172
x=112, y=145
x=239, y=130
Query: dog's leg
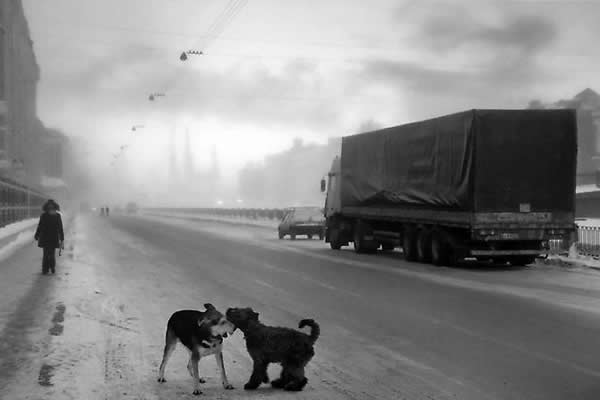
x=190, y=369
x=284, y=377
x=259, y=370
x=170, y=343
x=221, y=365
x=297, y=379
x=195, y=359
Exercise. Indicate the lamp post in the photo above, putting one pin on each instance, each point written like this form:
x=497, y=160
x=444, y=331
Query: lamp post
x=153, y=96
x=184, y=55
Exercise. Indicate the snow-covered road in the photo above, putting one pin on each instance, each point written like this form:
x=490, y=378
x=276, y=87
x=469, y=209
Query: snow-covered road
x=390, y=329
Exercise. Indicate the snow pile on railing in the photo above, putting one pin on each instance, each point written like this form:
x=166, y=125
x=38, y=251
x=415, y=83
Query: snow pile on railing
x=252, y=213
x=16, y=227
x=15, y=235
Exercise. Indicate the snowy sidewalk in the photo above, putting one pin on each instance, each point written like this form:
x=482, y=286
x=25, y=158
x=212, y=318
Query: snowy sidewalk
x=95, y=330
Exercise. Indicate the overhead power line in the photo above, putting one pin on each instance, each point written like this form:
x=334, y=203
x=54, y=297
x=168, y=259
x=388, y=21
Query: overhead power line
x=60, y=29
x=218, y=25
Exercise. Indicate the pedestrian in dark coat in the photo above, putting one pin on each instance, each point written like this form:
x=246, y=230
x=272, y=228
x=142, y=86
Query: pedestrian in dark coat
x=50, y=235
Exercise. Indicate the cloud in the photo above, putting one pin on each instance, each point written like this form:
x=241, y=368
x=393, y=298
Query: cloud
x=528, y=33
x=413, y=76
x=523, y=33
x=475, y=51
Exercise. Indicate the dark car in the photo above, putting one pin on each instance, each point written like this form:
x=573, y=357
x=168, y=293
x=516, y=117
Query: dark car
x=307, y=221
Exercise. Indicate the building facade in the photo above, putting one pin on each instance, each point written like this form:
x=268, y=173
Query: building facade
x=20, y=130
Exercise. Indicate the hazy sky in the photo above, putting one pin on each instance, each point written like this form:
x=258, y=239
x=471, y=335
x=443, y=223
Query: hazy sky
x=295, y=68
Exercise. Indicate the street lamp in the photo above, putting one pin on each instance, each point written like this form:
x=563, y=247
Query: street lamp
x=184, y=55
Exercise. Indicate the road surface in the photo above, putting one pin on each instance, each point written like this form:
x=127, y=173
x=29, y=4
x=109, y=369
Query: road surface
x=390, y=329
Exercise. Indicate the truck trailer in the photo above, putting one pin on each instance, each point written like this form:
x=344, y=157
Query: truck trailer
x=493, y=185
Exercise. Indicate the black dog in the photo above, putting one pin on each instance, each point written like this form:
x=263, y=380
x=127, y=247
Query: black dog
x=267, y=344
x=202, y=333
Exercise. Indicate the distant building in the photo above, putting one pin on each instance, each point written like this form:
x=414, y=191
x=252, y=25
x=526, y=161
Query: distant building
x=53, y=156
x=54, y=147
x=288, y=178
x=19, y=75
x=587, y=104
x=195, y=185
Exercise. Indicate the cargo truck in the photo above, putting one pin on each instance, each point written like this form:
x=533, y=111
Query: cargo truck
x=493, y=185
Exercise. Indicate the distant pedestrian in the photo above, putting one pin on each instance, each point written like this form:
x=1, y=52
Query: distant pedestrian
x=102, y=211
x=50, y=235
x=107, y=211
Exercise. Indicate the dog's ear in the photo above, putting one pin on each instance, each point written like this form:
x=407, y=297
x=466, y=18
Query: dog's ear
x=209, y=307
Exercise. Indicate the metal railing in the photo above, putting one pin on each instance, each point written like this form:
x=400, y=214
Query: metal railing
x=252, y=213
x=588, y=240
x=18, y=202
x=557, y=246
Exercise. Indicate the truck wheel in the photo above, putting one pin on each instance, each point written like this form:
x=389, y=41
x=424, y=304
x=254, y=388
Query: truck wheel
x=360, y=244
x=281, y=235
x=292, y=236
x=334, y=239
x=309, y=237
x=321, y=236
x=439, y=250
x=387, y=247
x=424, y=246
x=409, y=245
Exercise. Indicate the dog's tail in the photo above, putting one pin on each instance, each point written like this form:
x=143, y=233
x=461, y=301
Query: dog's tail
x=315, y=331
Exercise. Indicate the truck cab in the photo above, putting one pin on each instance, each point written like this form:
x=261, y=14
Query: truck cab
x=333, y=204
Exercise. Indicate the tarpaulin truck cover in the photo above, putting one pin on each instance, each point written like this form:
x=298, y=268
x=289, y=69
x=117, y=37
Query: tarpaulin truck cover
x=474, y=161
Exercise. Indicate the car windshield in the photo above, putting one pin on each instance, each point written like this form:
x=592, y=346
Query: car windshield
x=308, y=215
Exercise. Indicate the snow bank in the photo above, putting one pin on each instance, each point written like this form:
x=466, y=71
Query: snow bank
x=13, y=229
x=16, y=235
x=22, y=238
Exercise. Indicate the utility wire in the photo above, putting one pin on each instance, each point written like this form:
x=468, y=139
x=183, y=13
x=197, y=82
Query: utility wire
x=70, y=27
x=215, y=29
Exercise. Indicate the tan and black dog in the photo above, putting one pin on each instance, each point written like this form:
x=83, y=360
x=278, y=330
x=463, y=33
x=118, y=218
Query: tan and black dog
x=202, y=333
x=266, y=344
